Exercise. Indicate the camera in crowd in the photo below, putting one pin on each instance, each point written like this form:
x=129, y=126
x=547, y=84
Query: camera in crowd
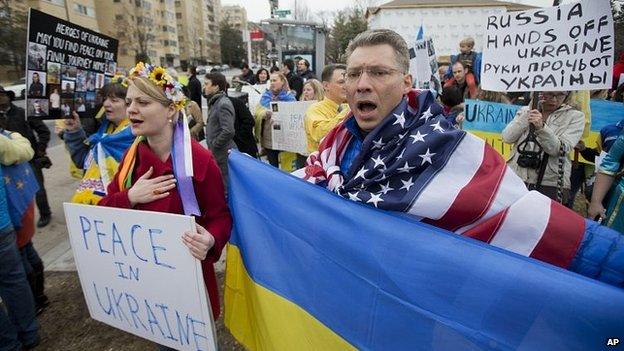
x=530, y=160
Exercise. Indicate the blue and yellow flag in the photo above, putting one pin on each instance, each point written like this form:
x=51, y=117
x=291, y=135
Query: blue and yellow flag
x=309, y=270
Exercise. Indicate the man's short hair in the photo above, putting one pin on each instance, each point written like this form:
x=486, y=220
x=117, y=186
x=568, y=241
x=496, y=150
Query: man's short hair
x=458, y=62
x=193, y=70
x=305, y=62
x=451, y=96
x=218, y=79
x=244, y=66
x=380, y=37
x=290, y=64
x=328, y=71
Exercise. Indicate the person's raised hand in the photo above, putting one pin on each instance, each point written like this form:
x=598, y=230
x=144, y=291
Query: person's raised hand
x=146, y=190
x=72, y=124
x=535, y=118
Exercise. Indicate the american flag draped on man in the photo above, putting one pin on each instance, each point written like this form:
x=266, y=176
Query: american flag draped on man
x=415, y=162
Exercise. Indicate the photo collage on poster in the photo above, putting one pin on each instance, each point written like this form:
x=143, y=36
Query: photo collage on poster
x=53, y=88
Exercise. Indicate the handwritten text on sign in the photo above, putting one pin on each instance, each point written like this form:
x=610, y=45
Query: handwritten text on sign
x=138, y=276
x=288, y=130
x=568, y=47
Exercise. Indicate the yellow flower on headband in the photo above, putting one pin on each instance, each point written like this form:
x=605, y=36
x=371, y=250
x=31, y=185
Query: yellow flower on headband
x=159, y=76
x=120, y=79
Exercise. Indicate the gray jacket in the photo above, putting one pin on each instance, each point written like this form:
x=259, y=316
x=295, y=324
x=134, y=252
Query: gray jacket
x=564, y=126
x=220, y=127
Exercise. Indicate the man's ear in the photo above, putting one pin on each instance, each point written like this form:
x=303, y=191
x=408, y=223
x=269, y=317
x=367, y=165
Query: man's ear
x=407, y=83
x=325, y=85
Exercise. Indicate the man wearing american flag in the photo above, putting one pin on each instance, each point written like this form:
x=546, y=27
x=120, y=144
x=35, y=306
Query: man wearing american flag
x=395, y=151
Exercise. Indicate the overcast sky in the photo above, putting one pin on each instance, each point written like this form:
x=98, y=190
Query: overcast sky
x=259, y=9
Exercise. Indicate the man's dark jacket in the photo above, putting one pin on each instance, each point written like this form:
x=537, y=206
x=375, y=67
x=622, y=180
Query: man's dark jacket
x=15, y=121
x=243, y=128
x=295, y=83
x=195, y=90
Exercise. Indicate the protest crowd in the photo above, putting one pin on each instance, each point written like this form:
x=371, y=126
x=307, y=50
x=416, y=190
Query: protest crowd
x=370, y=135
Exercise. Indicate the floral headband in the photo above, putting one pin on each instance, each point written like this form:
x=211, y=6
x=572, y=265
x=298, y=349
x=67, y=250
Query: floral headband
x=159, y=76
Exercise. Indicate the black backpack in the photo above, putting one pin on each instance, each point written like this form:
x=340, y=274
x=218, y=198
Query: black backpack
x=243, y=128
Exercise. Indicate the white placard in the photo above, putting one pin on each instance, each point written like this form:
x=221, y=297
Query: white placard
x=287, y=126
x=424, y=65
x=138, y=276
x=567, y=47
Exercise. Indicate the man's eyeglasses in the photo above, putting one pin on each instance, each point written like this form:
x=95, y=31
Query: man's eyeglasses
x=374, y=73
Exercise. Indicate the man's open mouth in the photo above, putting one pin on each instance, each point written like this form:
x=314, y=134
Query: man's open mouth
x=135, y=121
x=366, y=106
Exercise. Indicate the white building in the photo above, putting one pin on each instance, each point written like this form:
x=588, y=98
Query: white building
x=446, y=21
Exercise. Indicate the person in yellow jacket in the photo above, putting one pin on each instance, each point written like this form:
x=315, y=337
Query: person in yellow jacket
x=324, y=115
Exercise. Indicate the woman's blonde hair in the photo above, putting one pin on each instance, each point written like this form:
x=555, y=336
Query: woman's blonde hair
x=150, y=89
x=319, y=91
x=282, y=77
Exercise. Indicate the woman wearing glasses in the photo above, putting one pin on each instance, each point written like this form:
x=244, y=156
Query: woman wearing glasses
x=557, y=128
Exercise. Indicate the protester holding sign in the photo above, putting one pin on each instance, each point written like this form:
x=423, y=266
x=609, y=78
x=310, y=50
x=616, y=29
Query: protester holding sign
x=557, y=127
x=279, y=90
x=166, y=171
x=99, y=154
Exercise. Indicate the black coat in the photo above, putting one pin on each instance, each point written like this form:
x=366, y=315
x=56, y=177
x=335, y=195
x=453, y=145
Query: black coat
x=295, y=83
x=32, y=129
x=195, y=90
x=243, y=128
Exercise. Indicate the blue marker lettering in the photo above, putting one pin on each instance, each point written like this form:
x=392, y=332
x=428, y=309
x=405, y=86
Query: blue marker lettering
x=110, y=304
x=181, y=331
x=99, y=234
x=195, y=334
x=132, y=231
x=133, y=271
x=134, y=311
x=83, y=221
x=151, y=319
x=157, y=248
x=120, y=311
x=121, y=273
x=164, y=308
x=117, y=240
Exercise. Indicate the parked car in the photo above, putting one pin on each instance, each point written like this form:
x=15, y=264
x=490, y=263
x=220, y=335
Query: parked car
x=225, y=67
x=18, y=87
x=218, y=68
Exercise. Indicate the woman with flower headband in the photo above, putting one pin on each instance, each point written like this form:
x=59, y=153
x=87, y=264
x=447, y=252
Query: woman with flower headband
x=99, y=153
x=166, y=171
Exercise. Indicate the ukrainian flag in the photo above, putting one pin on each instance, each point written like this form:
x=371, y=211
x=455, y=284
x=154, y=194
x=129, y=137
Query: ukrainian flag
x=309, y=270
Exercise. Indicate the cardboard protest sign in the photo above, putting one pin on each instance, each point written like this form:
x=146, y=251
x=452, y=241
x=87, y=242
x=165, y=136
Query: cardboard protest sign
x=487, y=120
x=567, y=47
x=138, y=276
x=424, y=65
x=66, y=67
x=287, y=126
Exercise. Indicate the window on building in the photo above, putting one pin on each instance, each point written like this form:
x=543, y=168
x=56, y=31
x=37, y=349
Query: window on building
x=84, y=10
x=119, y=17
x=178, y=15
x=116, y=0
x=56, y=2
